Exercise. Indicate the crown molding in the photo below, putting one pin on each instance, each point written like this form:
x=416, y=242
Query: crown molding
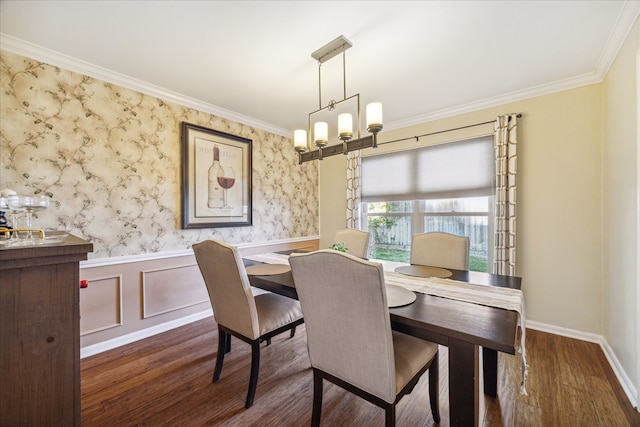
x=51, y=57
x=626, y=19
x=496, y=101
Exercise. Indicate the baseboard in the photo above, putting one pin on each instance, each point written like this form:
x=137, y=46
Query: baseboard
x=142, y=334
x=621, y=375
x=623, y=378
x=564, y=332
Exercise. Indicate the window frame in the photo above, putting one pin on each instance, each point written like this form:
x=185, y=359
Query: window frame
x=418, y=216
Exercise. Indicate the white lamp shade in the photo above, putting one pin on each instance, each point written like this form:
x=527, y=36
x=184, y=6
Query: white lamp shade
x=321, y=132
x=374, y=114
x=345, y=124
x=300, y=139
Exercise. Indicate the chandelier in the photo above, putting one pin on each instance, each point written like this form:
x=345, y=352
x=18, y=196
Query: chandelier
x=345, y=109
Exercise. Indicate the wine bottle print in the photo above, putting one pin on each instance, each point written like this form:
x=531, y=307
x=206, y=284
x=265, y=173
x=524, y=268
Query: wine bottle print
x=215, y=190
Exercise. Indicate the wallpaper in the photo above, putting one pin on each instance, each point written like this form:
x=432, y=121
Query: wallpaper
x=110, y=159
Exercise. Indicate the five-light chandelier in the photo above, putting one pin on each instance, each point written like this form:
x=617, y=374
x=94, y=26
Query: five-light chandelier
x=321, y=135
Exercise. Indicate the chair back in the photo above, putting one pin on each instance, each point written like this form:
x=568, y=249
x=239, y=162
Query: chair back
x=438, y=249
x=344, y=304
x=356, y=241
x=228, y=286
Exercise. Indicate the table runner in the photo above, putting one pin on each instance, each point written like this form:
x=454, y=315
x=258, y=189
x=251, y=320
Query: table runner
x=491, y=296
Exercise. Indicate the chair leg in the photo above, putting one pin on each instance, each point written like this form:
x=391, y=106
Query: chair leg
x=293, y=332
x=434, y=388
x=390, y=416
x=255, y=367
x=223, y=341
x=227, y=345
x=317, y=399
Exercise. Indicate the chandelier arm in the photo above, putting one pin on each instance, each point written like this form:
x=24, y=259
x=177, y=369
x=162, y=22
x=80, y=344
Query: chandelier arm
x=369, y=141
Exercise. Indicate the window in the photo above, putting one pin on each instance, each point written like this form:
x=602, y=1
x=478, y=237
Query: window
x=446, y=188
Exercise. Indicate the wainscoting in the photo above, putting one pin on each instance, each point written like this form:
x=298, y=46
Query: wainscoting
x=131, y=298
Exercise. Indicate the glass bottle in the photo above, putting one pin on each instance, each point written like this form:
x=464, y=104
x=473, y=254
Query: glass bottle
x=3, y=220
x=216, y=192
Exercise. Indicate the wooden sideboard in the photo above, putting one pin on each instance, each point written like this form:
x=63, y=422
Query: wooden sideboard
x=40, y=333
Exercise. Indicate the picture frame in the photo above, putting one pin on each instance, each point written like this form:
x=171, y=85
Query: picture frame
x=216, y=178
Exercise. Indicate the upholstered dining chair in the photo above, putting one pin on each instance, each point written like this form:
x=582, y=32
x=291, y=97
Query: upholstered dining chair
x=356, y=241
x=252, y=319
x=438, y=249
x=341, y=292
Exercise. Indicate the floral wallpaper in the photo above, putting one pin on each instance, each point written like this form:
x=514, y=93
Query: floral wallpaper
x=110, y=159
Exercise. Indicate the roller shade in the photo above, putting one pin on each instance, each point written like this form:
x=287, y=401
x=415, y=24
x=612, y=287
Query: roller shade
x=452, y=170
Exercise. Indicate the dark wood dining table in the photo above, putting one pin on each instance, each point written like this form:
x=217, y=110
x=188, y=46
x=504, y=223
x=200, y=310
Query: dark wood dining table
x=461, y=326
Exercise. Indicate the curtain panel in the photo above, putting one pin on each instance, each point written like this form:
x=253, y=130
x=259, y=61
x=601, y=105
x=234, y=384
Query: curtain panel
x=354, y=163
x=505, y=145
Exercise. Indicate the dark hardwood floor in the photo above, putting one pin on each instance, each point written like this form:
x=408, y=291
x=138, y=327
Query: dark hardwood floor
x=165, y=380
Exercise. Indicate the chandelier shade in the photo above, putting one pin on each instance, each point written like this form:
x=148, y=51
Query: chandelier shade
x=345, y=126
x=374, y=117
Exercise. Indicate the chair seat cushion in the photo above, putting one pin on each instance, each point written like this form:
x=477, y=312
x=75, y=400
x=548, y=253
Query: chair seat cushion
x=411, y=354
x=275, y=311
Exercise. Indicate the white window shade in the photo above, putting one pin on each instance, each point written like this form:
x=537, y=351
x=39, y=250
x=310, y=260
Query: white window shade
x=457, y=169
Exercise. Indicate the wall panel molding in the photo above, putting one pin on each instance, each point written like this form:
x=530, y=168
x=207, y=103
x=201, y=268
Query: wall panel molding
x=171, y=288
x=109, y=312
x=155, y=290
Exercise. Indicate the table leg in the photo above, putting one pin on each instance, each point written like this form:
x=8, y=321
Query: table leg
x=490, y=371
x=463, y=383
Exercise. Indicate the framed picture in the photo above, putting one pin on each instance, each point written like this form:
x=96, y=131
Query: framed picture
x=216, y=177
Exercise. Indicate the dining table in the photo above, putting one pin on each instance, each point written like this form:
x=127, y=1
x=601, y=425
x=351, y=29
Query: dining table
x=471, y=332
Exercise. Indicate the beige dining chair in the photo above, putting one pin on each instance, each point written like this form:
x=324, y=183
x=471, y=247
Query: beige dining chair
x=252, y=319
x=341, y=292
x=356, y=241
x=438, y=249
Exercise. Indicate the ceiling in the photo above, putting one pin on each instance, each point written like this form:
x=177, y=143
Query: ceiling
x=252, y=59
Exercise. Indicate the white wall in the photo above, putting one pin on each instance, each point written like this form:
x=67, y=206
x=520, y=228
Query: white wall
x=578, y=207
x=559, y=200
x=620, y=208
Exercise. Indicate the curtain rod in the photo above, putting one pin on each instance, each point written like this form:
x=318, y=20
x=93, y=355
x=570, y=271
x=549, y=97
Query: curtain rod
x=417, y=137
